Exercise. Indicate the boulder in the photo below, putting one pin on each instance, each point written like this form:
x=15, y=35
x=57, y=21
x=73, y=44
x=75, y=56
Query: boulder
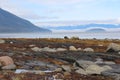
x=81, y=71
x=88, y=50
x=36, y=49
x=99, y=61
x=89, y=67
x=113, y=47
x=95, y=69
x=2, y=41
x=67, y=68
x=61, y=49
x=72, y=48
x=84, y=64
x=115, y=73
x=7, y=62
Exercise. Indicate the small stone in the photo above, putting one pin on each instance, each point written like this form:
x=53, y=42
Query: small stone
x=32, y=45
x=11, y=42
x=58, y=70
x=58, y=76
x=79, y=49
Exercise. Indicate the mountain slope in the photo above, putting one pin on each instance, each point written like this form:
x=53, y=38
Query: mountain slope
x=96, y=30
x=10, y=23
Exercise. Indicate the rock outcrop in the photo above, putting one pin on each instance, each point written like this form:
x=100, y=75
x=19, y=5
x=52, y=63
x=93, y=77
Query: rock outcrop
x=113, y=47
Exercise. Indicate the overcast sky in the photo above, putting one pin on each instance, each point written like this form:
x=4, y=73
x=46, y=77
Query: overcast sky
x=64, y=11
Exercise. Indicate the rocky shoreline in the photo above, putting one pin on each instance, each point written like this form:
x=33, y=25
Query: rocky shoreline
x=60, y=59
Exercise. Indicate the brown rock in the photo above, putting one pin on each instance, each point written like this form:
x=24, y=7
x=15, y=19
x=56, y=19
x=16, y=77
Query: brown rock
x=6, y=60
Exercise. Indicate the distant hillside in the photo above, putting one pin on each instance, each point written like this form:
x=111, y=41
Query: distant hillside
x=96, y=30
x=10, y=23
x=84, y=26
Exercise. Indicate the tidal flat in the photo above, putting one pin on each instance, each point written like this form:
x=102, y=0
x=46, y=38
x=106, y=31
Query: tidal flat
x=60, y=59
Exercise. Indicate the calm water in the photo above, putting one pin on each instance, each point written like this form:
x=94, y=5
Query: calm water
x=100, y=35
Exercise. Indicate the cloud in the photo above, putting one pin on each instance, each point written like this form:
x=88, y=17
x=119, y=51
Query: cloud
x=17, y=9
x=72, y=23
x=59, y=2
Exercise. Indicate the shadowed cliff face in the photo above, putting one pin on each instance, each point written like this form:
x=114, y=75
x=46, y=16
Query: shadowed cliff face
x=10, y=23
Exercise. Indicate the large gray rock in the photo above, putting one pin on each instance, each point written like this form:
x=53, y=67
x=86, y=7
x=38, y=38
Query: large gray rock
x=113, y=47
x=95, y=69
x=81, y=71
x=100, y=61
x=67, y=68
x=84, y=64
x=89, y=67
x=112, y=73
x=46, y=65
